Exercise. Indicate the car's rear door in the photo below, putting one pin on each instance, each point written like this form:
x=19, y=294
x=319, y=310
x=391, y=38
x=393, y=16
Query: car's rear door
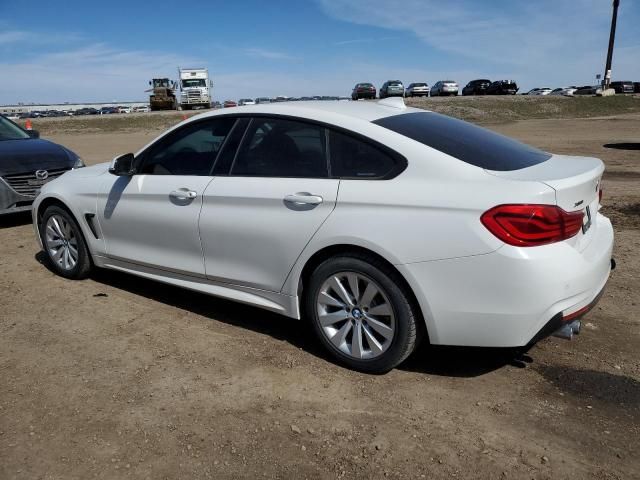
x=256, y=221
x=151, y=218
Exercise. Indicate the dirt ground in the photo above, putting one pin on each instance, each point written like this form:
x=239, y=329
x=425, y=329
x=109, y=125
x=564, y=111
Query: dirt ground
x=120, y=377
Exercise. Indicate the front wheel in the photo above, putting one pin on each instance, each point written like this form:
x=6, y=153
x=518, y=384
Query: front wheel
x=64, y=245
x=361, y=313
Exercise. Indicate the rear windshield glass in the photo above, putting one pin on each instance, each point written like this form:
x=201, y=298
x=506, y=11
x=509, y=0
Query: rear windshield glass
x=465, y=141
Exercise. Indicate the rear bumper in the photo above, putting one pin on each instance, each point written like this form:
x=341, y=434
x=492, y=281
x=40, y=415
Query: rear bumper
x=11, y=201
x=560, y=320
x=507, y=297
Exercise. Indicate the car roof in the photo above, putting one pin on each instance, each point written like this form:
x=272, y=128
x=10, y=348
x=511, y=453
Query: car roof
x=367, y=111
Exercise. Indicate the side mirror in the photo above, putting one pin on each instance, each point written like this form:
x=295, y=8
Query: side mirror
x=122, y=166
x=211, y=83
x=33, y=133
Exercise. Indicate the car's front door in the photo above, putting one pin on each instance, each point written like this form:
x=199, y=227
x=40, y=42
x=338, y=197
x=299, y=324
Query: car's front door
x=151, y=218
x=256, y=221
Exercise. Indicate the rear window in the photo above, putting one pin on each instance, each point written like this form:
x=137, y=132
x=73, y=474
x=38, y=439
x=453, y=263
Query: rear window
x=464, y=141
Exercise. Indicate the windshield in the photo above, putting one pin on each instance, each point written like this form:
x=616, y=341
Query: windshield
x=10, y=131
x=160, y=82
x=464, y=141
x=194, y=82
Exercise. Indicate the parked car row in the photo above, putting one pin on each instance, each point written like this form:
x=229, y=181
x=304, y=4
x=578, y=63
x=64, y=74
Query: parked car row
x=481, y=86
x=83, y=111
x=620, y=87
x=278, y=99
x=395, y=88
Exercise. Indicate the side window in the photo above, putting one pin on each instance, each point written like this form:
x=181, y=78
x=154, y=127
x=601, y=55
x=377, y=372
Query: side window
x=192, y=150
x=230, y=147
x=282, y=148
x=354, y=158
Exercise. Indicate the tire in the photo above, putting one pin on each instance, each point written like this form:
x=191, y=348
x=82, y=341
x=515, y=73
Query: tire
x=395, y=328
x=68, y=232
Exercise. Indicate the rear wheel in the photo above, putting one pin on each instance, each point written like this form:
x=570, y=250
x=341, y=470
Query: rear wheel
x=65, y=248
x=361, y=313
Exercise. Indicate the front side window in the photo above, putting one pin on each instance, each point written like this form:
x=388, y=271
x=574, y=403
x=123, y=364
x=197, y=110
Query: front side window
x=282, y=148
x=355, y=158
x=191, y=150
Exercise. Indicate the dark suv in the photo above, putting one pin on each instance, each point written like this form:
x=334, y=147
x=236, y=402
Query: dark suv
x=502, y=87
x=636, y=87
x=622, y=87
x=392, y=88
x=363, y=90
x=476, y=87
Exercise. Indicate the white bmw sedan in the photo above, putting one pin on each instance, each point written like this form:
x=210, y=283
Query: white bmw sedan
x=379, y=224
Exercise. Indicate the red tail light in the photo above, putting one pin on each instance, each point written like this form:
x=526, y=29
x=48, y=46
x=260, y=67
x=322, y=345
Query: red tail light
x=531, y=225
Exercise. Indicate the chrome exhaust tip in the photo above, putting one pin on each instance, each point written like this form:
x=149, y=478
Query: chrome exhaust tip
x=567, y=331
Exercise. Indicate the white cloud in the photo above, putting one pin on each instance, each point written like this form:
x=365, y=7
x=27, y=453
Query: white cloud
x=267, y=54
x=14, y=36
x=94, y=72
x=363, y=40
x=549, y=41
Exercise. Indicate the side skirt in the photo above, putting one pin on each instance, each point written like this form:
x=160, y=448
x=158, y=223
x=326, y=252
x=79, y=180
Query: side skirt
x=275, y=302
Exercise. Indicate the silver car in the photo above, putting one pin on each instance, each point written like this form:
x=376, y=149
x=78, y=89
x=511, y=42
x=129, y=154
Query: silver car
x=417, y=90
x=444, y=87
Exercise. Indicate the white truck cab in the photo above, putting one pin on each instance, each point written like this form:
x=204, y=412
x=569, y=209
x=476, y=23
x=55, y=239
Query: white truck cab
x=195, y=88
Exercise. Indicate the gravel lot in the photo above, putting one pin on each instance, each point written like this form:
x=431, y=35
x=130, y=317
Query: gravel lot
x=120, y=377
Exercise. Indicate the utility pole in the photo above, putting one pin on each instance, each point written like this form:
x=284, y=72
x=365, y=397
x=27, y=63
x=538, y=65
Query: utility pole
x=612, y=37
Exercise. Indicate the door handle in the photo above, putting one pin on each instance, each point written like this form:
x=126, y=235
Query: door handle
x=303, y=198
x=183, y=194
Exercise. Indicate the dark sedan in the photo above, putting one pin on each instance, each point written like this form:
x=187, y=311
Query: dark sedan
x=622, y=87
x=586, y=90
x=363, y=90
x=26, y=163
x=476, y=87
x=502, y=87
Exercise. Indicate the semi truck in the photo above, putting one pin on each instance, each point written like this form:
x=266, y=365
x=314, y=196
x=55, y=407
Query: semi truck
x=195, y=88
x=163, y=95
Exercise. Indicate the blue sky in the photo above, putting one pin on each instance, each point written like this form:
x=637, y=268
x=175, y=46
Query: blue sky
x=103, y=51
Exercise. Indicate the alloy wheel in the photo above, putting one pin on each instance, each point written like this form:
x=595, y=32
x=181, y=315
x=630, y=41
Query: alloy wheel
x=61, y=242
x=355, y=315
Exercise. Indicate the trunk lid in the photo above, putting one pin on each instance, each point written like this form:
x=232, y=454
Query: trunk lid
x=576, y=181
